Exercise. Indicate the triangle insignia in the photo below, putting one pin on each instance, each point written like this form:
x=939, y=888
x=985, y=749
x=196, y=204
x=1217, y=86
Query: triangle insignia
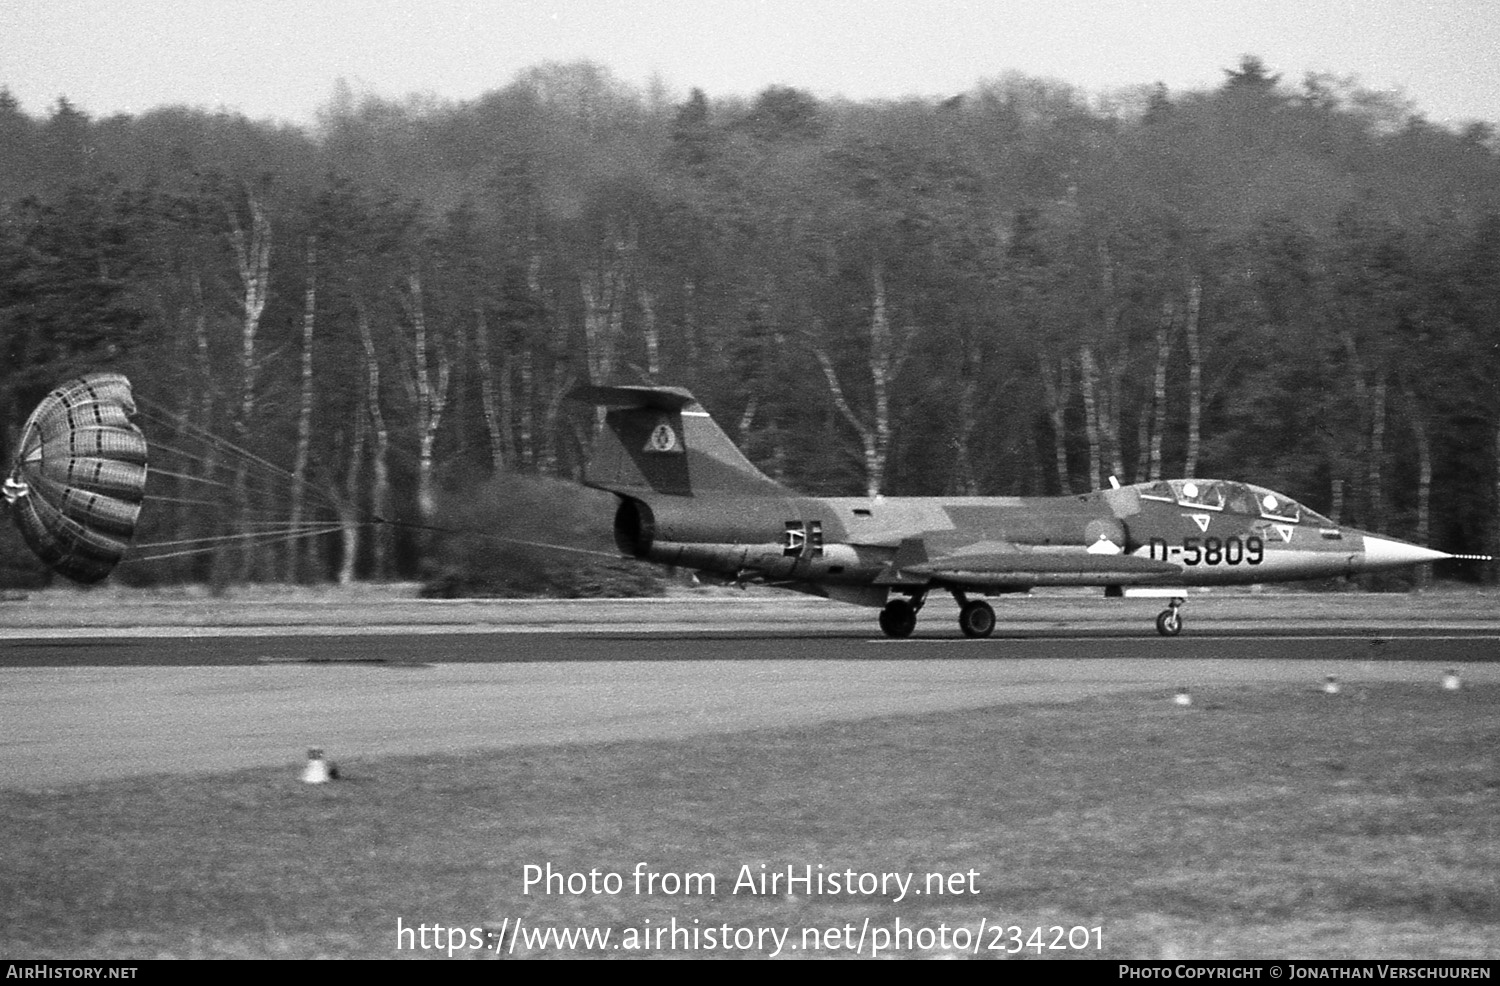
x=1201, y=520
x=1285, y=530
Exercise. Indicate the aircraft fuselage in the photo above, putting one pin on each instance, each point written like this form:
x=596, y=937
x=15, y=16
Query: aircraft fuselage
x=999, y=544
x=688, y=497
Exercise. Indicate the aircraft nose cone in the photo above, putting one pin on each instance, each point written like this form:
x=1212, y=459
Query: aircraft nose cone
x=1387, y=553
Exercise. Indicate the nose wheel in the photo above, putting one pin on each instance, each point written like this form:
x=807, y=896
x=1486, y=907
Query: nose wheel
x=1169, y=620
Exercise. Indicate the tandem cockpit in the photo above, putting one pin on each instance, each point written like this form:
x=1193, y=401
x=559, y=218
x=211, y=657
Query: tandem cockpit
x=1236, y=498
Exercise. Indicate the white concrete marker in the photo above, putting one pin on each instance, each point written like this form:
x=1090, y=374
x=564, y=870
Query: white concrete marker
x=317, y=770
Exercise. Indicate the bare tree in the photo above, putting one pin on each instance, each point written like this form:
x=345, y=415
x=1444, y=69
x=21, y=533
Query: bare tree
x=304, y=410
x=495, y=398
x=380, y=488
x=252, y=253
x=1057, y=389
x=1164, y=326
x=884, y=359
x=428, y=391
x=603, y=290
x=349, y=514
x=1088, y=386
x=1195, y=379
x=1418, y=420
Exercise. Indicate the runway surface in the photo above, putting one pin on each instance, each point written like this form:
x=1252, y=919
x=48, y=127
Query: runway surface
x=80, y=704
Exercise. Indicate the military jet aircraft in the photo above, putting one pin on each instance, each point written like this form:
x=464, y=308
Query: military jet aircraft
x=688, y=497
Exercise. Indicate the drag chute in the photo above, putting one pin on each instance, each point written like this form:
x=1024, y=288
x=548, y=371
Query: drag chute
x=79, y=477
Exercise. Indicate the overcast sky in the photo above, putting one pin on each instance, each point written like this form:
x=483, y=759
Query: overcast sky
x=281, y=58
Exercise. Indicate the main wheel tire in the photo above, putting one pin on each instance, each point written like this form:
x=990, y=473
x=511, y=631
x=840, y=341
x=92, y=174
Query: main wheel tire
x=898, y=619
x=1169, y=623
x=977, y=619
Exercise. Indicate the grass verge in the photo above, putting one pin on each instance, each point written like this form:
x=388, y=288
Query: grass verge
x=1258, y=822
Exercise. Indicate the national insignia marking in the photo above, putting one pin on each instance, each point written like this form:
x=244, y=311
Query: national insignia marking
x=663, y=439
x=1267, y=529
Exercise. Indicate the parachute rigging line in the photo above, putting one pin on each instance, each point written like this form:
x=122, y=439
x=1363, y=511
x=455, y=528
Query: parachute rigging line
x=152, y=411
x=487, y=536
x=259, y=538
x=254, y=490
x=80, y=478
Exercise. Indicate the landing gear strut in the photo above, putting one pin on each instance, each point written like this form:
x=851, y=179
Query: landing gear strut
x=1169, y=620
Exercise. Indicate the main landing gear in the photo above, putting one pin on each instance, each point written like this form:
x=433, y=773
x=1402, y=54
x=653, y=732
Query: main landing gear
x=1169, y=620
x=899, y=618
x=976, y=618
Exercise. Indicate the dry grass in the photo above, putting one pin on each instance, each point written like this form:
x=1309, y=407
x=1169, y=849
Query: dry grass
x=1258, y=822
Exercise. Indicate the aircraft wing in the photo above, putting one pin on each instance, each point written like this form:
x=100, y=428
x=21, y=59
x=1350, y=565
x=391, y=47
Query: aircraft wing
x=999, y=565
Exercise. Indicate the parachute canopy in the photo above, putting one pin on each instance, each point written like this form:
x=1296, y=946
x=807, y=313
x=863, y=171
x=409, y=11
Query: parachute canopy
x=80, y=476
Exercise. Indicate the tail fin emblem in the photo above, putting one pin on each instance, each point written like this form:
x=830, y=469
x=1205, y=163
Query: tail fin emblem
x=663, y=439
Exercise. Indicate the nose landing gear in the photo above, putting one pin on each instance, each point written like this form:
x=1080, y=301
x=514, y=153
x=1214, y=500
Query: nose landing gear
x=1169, y=620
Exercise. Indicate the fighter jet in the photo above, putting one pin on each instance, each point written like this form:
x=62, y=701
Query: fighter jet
x=689, y=498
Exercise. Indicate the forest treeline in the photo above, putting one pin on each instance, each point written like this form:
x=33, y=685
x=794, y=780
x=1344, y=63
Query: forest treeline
x=1016, y=290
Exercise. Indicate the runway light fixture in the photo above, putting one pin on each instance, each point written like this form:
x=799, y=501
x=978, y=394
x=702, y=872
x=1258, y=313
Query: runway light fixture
x=318, y=770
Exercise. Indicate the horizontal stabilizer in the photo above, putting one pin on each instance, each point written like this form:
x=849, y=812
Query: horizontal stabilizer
x=656, y=398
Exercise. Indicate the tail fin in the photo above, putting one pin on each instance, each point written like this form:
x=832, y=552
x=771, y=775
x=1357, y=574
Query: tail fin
x=660, y=440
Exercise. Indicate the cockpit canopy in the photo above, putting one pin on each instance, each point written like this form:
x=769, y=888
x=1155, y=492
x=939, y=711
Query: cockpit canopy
x=1239, y=498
